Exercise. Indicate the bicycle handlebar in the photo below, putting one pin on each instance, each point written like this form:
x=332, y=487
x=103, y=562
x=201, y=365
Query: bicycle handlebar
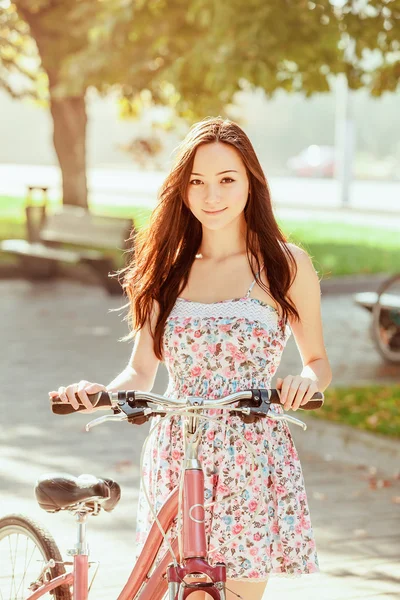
x=133, y=403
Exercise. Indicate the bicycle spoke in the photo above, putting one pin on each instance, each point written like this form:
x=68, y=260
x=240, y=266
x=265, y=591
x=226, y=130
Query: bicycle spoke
x=26, y=552
x=21, y=560
x=27, y=566
x=13, y=564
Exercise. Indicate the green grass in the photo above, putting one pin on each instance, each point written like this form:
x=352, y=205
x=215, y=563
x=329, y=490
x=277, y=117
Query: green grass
x=343, y=249
x=371, y=408
x=336, y=249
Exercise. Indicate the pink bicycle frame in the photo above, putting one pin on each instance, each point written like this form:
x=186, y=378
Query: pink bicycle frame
x=194, y=549
x=166, y=576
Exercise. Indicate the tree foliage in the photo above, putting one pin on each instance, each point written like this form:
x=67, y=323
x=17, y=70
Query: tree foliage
x=19, y=60
x=371, y=40
x=194, y=55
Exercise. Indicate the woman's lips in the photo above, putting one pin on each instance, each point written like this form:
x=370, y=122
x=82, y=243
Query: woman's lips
x=214, y=212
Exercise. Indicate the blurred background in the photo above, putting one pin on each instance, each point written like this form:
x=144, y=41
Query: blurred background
x=94, y=98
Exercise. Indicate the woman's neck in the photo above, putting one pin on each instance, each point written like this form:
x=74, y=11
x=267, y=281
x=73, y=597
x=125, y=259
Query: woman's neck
x=220, y=245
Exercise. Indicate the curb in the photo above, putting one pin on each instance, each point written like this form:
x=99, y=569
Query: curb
x=334, y=441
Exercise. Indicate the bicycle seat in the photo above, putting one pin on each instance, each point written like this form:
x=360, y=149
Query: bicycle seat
x=58, y=491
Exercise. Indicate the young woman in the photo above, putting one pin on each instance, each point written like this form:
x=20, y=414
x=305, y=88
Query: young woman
x=215, y=291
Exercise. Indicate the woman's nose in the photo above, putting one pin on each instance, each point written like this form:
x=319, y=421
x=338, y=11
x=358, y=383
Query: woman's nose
x=213, y=195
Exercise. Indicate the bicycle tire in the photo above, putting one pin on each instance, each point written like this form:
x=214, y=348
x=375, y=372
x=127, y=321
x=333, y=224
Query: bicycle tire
x=385, y=323
x=37, y=537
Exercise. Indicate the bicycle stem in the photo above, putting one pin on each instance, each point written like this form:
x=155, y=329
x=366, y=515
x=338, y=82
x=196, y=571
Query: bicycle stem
x=191, y=456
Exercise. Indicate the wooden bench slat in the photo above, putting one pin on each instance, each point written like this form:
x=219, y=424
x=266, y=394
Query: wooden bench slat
x=81, y=228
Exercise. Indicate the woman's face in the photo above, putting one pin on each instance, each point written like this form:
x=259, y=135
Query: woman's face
x=218, y=186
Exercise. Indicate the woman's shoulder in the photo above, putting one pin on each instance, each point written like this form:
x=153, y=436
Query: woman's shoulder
x=297, y=252
x=301, y=257
x=305, y=272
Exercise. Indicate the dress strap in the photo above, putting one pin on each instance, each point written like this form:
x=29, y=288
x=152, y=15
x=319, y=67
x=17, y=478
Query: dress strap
x=253, y=283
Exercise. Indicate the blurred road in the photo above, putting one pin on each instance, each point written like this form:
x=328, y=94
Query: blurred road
x=57, y=333
x=372, y=202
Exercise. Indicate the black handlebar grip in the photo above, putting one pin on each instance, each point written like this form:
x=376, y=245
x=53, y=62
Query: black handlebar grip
x=61, y=408
x=316, y=401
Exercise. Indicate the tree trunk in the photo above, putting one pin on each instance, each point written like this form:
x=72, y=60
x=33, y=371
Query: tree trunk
x=68, y=112
x=69, y=136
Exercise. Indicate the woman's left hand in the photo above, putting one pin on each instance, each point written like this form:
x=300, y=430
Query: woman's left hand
x=296, y=391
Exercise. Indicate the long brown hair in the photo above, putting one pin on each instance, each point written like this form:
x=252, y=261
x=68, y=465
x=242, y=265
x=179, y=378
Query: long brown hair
x=164, y=252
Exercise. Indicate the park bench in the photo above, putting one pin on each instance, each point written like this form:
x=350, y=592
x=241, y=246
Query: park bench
x=70, y=235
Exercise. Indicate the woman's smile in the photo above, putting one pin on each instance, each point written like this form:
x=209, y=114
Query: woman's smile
x=214, y=212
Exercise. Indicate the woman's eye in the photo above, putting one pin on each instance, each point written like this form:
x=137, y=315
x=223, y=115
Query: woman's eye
x=199, y=181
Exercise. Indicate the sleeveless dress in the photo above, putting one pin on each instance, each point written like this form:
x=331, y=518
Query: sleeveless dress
x=211, y=350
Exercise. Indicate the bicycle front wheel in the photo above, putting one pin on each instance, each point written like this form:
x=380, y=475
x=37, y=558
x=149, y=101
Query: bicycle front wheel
x=386, y=320
x=25, y=549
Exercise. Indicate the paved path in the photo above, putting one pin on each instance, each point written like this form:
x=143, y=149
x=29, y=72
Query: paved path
x=56, y=333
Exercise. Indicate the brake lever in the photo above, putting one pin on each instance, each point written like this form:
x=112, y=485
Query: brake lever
x=103, y=419
x=287, y=418
x=251, y=417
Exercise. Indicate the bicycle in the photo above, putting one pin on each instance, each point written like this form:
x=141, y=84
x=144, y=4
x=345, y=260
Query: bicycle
x=385, y=308
x=386, y=320
x=153, y=576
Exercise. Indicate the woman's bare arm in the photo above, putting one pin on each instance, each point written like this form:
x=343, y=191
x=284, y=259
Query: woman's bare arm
x=305, y=293
x=316, y=374
x=141, y=370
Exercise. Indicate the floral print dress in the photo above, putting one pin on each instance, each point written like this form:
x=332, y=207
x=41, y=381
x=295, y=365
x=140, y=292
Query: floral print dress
x=211, y=350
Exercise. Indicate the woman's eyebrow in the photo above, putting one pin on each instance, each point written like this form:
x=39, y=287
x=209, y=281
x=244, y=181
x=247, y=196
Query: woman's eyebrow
x=221, y=173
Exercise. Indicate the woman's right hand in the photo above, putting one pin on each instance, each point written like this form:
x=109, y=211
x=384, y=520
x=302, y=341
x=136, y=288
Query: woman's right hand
x=81, y=389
